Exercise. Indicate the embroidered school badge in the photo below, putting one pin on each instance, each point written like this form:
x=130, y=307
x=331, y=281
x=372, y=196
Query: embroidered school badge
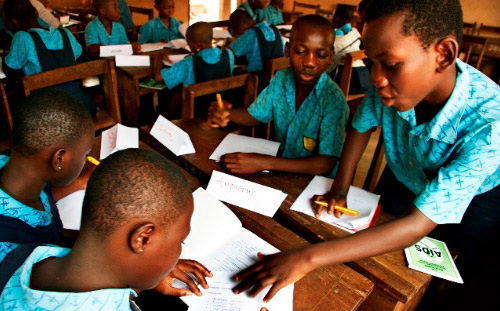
x=309, y=144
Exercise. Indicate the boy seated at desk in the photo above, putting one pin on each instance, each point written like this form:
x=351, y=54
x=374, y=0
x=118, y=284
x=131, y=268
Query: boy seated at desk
x=105, y=29
x=135, y=215
x=308, y=109
x=273, y=14
x=258, y=42
x=163, y=28
x=255, y=8
x=206, y=64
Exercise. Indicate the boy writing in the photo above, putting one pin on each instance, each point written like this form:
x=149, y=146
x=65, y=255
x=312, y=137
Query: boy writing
x=164, y=28
x=307, y=107
x=440, y=120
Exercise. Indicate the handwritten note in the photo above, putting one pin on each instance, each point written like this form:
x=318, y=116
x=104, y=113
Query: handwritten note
x=172, y=137
x=119, y=137
x=239, y=143
x=246, y=194
x=70, y=210
x=113, y=50
x=132, y=60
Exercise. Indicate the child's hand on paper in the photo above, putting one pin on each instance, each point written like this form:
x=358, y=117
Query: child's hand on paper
x=332, y=197
x=180, y=272
x=245, y=163
x=217, y=116
x=278, y=270
x=136, y=47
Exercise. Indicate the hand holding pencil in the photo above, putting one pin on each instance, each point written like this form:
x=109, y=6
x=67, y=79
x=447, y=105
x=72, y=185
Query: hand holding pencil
x=334, y=202
x=218, y=113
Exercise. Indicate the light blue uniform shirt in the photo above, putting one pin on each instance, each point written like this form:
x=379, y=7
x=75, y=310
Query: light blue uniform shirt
x=273, y=16
x=10, y=207
x=17, y=294
x=257, y=14
x=344, y=30
x=125, y=14
x=183, y=72
x=248, y=45
x=155, y=31
x=95, y=33
x=450, y=159
x=318, y=123
x=23, y=54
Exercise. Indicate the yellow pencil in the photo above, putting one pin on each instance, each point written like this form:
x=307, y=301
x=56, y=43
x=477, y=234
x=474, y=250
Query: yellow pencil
x=93, y=160
x=219, y=101
x=340, y=208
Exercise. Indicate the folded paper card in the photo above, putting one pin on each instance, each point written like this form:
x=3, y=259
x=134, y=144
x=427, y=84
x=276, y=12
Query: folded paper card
x=118, y=137
x=239, y=143
x=113, y=50
x=172, y=137
x=132, y=61
x=364, y=202
x=70, y=210
x=218, y=240
x=246, y=194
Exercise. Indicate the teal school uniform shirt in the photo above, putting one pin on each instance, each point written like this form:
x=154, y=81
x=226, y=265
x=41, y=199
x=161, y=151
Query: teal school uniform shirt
x=95, y=33
x=10, y=207
x=257, y=14
x=248, y=45
x=125, y=14
x=156, y=31
x=273, y=15
x=450, y=159
x=183, y=73
x=17, y=294
x=23, y=54
x=316, y=128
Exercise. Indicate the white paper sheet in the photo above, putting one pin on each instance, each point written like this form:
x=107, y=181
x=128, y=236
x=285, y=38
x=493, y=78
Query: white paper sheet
x=2, y=74
x=285, y=27
x=149, y=47
x=246, y=194
x=113, y=50
x=132, y=61
x=172, y=137
x=119, y=137
x=183, y=28
x=357, y=199
x=70, y=210
x=177, y=44
x=240, y=143
x=174, y=59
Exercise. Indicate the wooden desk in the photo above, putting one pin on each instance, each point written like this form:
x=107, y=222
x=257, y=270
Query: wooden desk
x=397, y=286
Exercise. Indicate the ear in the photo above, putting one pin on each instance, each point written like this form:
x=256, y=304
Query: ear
x=58, y=159
x=287, y=49
x=141, y=237
x=447, y=53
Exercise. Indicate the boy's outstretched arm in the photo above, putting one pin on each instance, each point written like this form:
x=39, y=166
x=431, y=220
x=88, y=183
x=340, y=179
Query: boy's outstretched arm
x=245, y=163
x=220, y=117
x=282, y=269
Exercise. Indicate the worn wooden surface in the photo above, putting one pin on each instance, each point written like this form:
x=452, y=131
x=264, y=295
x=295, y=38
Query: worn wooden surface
x=398, y=286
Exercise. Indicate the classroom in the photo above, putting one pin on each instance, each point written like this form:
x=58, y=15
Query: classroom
x=249, y=155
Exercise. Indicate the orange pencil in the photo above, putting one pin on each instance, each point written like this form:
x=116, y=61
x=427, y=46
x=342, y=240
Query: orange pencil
x=340, y=208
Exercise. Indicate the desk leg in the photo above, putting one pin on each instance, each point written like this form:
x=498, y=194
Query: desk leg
x=129, y=99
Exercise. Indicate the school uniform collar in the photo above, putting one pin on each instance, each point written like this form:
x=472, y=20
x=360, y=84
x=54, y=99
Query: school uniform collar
x=160, y=23
x=104, y=28
x=444, y=126
x=315, y=92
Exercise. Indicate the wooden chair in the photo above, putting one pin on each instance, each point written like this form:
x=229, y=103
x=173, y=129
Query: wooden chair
x=485, y=30
x=473, y=48
x=270, y=68
x=106, y=116
x=148, y=12
x=470, y=28
x=314, y=7
x=345, y=79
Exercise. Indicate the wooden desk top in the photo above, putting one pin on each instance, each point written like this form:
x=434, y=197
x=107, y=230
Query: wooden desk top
x=388, y=271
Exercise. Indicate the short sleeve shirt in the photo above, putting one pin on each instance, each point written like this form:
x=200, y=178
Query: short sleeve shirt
x=17, y=294
x=23, y=54
x=450, y=159
x=316, y=128
x=183, y=72
x=257, y=14
x=156, y=31
x=273, y=15
x=95, y=33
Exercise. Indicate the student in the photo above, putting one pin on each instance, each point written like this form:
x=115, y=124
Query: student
x=164, y=28
x=439, y=119
x=105, y=29
x=36, y=50
x=136, y=213
x=51, y=137
x=206, y=64
x=273, y=14
x=258, y=42
x=255, y=8
x=125, y=15
x=307, y=107
x=347, y=40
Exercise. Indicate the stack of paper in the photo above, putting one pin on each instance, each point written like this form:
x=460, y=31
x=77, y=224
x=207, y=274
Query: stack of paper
x=239, y=143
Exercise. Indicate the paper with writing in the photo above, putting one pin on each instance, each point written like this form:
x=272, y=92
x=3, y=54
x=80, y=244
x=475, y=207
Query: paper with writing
x=132, y=60
x=119, y=137
x=239, y=143
x=225, y=255
x=357, y=199
x=70, y=210
x=246, y=194
x=113, y=50
x=172, y=137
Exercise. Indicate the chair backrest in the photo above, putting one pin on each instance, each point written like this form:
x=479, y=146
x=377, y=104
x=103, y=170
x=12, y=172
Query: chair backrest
x=470, y=28
x=190, y=92
x=270, y=68
x=314, y=7
x=105, y=68
x=6, y=109
x=485, y=30
x=472, y=48
x=148, y=12
x=328, y=14
x=345, y=79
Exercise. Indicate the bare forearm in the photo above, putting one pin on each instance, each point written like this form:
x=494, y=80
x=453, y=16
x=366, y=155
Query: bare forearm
x=242, y=117
x=317, y=165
